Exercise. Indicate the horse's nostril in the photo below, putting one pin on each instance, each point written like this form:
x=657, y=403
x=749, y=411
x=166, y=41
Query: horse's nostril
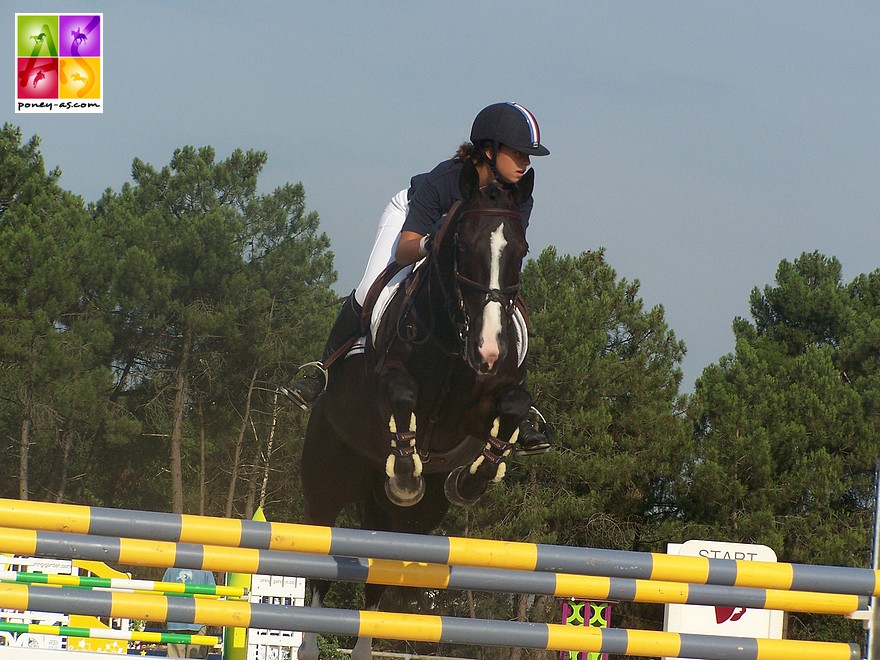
x=487, y=367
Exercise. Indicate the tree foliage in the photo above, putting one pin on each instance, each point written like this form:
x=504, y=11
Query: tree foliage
x=51, y=341
x=606, y=372
x=786, y=428
x=143, y=336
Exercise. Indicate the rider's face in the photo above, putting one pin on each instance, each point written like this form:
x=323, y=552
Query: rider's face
x=511, y=164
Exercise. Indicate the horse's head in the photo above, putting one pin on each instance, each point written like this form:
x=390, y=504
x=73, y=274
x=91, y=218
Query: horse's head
x=482, y=251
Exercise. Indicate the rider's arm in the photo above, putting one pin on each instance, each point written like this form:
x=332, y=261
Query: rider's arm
x=409, y=248
x=431, y=196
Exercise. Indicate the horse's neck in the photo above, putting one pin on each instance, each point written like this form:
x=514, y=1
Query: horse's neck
x=439, y=303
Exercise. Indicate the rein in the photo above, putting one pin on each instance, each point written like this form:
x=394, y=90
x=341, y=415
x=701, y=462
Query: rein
x=432, y=265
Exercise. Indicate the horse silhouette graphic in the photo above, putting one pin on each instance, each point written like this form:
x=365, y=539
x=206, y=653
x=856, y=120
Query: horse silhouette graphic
x=78, y=36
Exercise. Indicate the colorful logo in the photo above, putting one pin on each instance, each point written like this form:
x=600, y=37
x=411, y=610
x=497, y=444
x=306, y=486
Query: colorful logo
x=59, y=63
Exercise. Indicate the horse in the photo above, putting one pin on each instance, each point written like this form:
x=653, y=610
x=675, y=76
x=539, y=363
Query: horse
x=425, y=417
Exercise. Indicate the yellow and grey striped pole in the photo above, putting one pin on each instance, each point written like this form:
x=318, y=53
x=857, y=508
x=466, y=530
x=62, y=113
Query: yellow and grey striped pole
x=139, y=552
x=435, y=549
x=414, y=627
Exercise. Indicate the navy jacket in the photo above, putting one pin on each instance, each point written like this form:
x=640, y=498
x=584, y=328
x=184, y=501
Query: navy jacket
x=432, y=194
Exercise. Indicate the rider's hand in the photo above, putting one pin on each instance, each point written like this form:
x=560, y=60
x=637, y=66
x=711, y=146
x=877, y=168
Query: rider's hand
x=425, y=244
x=409, y=248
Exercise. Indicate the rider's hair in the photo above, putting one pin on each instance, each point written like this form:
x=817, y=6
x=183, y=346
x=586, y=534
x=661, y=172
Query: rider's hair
x=469, y=151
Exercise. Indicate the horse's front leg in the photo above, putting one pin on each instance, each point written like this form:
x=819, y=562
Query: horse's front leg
x=308, y=649
x=403, y=468
x=466, y=484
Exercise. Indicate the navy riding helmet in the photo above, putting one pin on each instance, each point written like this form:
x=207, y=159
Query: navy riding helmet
x=510, y=124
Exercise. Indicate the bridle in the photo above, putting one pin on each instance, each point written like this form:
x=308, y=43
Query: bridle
x=505, y=296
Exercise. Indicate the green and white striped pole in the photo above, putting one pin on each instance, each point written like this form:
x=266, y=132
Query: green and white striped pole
x=120, y=584
x=109, y=633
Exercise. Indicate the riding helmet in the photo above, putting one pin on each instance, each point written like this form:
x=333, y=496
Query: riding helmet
x=511, y=124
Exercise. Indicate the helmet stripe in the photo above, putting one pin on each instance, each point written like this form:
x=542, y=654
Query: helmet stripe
x=532, y=123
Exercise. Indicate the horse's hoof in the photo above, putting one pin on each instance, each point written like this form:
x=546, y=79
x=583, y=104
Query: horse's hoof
x=400, y=495
x=452, y=490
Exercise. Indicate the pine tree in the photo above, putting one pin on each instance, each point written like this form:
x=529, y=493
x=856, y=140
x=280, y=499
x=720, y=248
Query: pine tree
x=786, y=427
x=51, y=344
x=207, y=275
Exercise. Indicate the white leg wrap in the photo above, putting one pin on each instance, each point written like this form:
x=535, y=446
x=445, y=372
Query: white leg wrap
x=417, y=460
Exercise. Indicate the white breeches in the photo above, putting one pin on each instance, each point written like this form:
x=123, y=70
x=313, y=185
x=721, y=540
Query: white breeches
x=385, y=244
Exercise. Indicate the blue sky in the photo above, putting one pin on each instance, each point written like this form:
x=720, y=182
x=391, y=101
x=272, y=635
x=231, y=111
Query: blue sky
x=698, y=142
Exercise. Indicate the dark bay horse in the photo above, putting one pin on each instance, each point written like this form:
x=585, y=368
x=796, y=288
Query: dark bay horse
x=428, y=413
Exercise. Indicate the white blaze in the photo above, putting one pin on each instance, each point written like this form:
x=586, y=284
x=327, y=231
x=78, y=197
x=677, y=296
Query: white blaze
x=491, y=331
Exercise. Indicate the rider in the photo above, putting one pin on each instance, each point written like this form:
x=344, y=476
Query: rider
x=503, y=137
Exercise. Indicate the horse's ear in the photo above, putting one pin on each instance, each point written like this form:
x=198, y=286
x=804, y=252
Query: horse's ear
x=523, y=189
x=469, y=181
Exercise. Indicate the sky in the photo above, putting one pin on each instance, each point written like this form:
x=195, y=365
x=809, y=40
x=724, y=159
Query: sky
x=698, y=143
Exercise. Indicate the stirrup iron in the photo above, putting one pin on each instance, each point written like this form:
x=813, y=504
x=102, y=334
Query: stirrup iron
x=294, y=396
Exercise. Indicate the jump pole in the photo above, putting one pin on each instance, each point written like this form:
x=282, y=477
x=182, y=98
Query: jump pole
x=140, y=552
x=415, y=627
x=110, y=633
x=434, y=549
x=119, y=584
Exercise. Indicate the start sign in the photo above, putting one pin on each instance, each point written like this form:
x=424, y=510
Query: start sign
x=721, y=620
